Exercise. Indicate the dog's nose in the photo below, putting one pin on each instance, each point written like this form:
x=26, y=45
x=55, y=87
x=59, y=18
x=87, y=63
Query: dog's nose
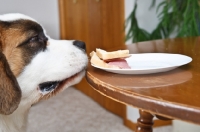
x=79, y=44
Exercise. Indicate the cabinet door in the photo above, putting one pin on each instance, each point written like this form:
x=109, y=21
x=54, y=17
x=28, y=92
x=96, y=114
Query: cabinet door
x=99, y=23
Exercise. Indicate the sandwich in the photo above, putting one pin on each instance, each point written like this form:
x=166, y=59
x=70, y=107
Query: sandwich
x=114, y=59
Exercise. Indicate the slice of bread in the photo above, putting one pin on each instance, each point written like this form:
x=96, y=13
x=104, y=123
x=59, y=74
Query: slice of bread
x=100, y=63
x=104, y=55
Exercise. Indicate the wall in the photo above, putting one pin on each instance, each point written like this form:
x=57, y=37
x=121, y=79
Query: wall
x=147, y=19
x=44, y=11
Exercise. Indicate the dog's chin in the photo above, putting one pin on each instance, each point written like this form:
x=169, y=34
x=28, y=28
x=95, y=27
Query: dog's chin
x=49, y=89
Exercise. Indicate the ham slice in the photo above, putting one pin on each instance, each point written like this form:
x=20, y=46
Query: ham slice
x=121, y=63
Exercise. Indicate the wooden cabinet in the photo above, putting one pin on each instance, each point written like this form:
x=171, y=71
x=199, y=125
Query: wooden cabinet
x=99, y=23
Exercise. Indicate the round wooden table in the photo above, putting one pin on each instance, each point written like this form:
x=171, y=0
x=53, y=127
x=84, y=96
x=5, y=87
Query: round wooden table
x=169, y=95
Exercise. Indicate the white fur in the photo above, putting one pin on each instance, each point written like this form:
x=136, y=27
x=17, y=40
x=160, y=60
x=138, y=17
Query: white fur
x=59, y=61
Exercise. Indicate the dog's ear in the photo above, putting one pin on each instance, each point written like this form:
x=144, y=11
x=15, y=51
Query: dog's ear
x=10, y=92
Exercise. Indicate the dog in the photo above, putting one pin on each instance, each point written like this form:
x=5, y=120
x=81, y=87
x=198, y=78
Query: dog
x=33, y=67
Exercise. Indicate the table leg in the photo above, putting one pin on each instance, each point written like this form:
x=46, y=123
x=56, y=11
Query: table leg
x=145, y=122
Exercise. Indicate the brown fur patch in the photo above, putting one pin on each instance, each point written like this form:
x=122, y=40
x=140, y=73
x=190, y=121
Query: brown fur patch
x=11, y=64
x=10, y=40
x=10, y=93
x=17, y=48
x=14, y=37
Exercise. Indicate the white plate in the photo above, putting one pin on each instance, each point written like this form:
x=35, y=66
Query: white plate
x=147, y=63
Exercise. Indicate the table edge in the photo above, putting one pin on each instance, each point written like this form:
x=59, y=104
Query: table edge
x=166, y=109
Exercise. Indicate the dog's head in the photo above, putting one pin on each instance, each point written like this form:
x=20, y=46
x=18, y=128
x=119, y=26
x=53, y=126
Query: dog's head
x=32, y=65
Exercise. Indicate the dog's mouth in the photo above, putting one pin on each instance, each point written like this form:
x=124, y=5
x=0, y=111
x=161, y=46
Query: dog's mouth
x=48, y=86
x=55, y=86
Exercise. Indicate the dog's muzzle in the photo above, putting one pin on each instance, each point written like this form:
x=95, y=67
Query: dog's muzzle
x=47, y=87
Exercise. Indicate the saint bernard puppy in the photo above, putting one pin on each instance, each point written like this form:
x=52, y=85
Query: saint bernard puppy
x=33, y=67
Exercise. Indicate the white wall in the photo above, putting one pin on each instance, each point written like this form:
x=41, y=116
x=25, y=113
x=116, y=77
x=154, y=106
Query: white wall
x=147, y=19
x=44, y=11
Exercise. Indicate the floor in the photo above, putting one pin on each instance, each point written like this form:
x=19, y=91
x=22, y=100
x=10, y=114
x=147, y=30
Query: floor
x=72, y=111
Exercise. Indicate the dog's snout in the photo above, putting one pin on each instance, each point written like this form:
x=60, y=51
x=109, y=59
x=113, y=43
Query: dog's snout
x=80, y=44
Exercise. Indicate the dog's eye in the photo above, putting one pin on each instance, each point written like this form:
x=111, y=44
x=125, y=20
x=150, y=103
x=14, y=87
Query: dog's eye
x=33, y=39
